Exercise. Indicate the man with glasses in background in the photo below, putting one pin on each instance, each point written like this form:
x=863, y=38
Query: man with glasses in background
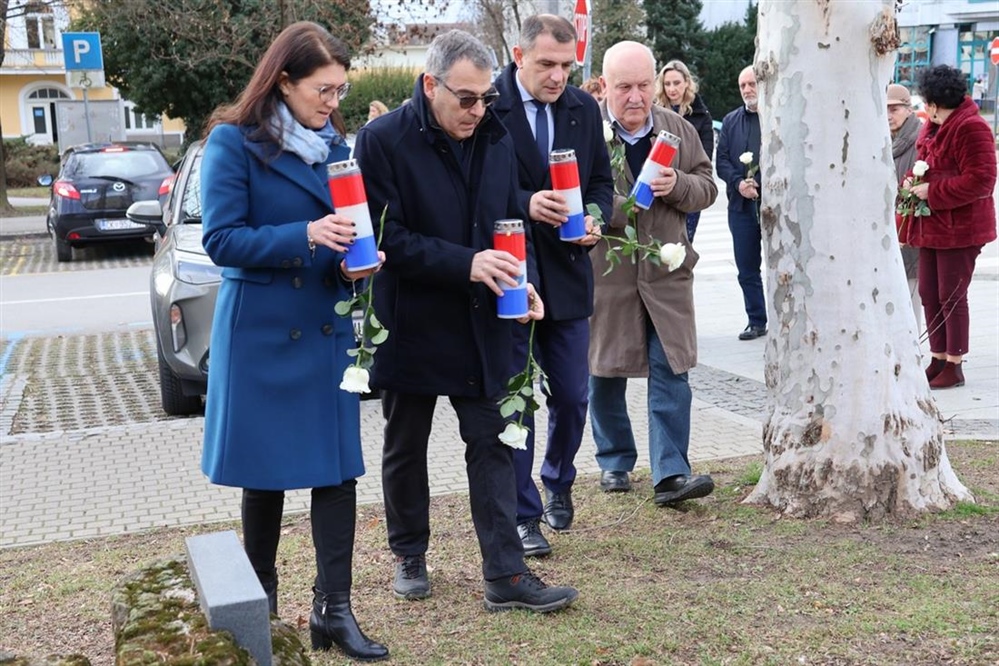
x=543, y=113
x=444, y=169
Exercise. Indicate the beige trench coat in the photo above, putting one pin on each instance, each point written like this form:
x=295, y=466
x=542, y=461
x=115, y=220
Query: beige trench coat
x=622, y=298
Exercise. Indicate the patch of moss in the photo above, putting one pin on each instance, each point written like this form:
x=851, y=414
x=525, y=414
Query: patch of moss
x=155, y=615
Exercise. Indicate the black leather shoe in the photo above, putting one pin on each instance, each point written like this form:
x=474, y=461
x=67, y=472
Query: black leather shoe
x=558, y=509
x=753, y=332
x=527, y=591
x=681, y=487
x=615, y=482
x=411, y=580
x=535, y=543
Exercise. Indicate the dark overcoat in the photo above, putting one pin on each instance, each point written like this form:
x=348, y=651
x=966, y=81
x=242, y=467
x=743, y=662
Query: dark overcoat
x=275, y=418
x=444, y=335
x=623, y=297
x=564, y=268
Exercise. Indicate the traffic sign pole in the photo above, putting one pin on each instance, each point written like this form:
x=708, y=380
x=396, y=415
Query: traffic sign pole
x=581, y=21
x=994, y=57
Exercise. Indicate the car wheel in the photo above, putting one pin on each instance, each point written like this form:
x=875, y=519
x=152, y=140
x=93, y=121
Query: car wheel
x=175, y=403
x=64, y=251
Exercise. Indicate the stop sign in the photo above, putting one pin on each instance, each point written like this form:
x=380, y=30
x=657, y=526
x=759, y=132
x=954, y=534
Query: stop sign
x=581, y=20
x=994, y=48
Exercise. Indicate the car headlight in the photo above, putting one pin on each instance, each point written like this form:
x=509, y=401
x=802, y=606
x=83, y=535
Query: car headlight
x=196, y=269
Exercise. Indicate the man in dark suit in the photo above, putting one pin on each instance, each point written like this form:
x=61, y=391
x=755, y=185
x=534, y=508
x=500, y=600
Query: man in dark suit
x=445, y=168
x=543, y=113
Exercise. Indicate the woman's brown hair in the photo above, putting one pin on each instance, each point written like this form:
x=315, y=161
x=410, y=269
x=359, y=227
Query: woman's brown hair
x=298, y=51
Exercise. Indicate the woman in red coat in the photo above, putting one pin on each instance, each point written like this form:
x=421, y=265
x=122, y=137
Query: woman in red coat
x=959, y=148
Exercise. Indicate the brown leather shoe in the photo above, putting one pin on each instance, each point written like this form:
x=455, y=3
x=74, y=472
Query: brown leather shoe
x=935, y=367
x=951, y=376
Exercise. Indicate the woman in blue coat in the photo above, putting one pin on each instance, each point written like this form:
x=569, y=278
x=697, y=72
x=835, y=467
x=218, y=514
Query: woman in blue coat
x=275, y=418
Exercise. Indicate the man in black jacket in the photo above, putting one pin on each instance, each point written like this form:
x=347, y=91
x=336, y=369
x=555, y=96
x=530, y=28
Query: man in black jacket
x=539, y=107
x=444, y=167
x=740, y=134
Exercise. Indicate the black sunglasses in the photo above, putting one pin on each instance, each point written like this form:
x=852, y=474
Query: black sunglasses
x=468, y=101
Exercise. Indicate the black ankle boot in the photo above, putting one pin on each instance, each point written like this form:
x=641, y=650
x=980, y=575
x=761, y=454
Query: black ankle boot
x=270, y=588
x=333, y=622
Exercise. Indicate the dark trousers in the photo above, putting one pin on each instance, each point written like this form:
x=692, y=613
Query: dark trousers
x=748, y=246
x=333, y=515
x=692, y=220
x=561, y=348
x=488, y=463
x=944, y=276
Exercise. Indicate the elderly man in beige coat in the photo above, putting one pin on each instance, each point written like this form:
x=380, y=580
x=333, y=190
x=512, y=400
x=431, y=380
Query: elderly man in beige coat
x=643, y=320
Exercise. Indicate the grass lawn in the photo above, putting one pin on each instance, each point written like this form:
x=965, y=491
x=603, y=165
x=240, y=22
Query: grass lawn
x=715, y=583
x=26, y=211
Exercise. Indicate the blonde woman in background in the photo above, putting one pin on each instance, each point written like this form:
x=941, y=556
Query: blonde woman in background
x=676, y=89
x=376, y=108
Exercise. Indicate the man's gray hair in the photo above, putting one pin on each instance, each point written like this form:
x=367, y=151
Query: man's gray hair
x=452, y=46
x=533, y=27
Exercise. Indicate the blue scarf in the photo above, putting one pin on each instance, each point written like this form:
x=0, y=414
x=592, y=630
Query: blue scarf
x=312, y=146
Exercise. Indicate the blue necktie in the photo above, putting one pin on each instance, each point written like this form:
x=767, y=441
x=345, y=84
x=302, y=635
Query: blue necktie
x=541, y=130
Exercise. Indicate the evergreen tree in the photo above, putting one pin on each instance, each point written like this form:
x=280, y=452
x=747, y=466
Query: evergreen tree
x=614, y=21
x=732, y=47
x=185, y=57
x=674, y=29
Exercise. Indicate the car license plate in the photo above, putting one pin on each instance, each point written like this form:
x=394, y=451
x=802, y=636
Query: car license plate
x=117, y=225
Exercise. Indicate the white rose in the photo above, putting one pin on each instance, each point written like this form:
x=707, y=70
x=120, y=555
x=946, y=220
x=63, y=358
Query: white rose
x=920, y=168
x=608, y=132
x=355, y=380
x=746, y=158
x=514, y=436
x=672, y=255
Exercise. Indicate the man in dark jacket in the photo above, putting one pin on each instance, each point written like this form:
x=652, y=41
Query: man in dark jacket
x=537, y=105
x=444, y=167
x=740, y=135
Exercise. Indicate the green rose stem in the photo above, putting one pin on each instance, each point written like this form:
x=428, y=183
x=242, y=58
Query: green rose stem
x=372, y=330
x=520, y=395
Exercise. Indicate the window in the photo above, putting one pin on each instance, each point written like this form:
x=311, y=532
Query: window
x=913, y=54
x=40, y=25
x=138, y=121
x=48, y=93
x=973, y=54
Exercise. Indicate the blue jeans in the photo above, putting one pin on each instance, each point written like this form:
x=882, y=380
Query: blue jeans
x=669, y=400
x=747, y=243
x=560, y=347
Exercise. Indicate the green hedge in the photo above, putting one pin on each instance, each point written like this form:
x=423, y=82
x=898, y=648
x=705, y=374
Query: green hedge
x=391, y=85
x=24, y=162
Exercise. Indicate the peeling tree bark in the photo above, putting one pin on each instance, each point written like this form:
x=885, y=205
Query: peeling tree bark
x=853, y=431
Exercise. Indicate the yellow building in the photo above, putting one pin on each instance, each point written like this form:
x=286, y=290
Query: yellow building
x=33, y=80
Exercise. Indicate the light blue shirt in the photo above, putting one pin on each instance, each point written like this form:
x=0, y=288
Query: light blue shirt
x=631, y=138
x=532, y=112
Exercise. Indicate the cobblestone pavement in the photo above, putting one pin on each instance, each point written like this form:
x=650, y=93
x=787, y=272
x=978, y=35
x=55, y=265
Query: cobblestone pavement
x=85, y=450
x=35, y=253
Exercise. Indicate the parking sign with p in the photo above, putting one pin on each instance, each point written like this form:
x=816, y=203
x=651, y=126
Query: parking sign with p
x=82, y=51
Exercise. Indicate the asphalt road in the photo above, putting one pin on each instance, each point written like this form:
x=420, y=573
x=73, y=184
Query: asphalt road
x=105, y=288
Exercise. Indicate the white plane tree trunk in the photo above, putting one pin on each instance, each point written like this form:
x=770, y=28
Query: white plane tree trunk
x=853, y=431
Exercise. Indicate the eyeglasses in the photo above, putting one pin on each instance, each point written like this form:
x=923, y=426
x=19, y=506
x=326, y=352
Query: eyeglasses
x=468, y=101
x=329, y=93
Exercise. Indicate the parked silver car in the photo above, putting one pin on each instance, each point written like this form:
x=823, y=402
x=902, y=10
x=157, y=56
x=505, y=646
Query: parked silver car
x=182, y=288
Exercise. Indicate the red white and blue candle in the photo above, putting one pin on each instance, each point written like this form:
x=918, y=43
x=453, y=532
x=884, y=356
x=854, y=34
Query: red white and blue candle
x=350, y=200
x=508, y=236
x=662, y=154
x=565, y=181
